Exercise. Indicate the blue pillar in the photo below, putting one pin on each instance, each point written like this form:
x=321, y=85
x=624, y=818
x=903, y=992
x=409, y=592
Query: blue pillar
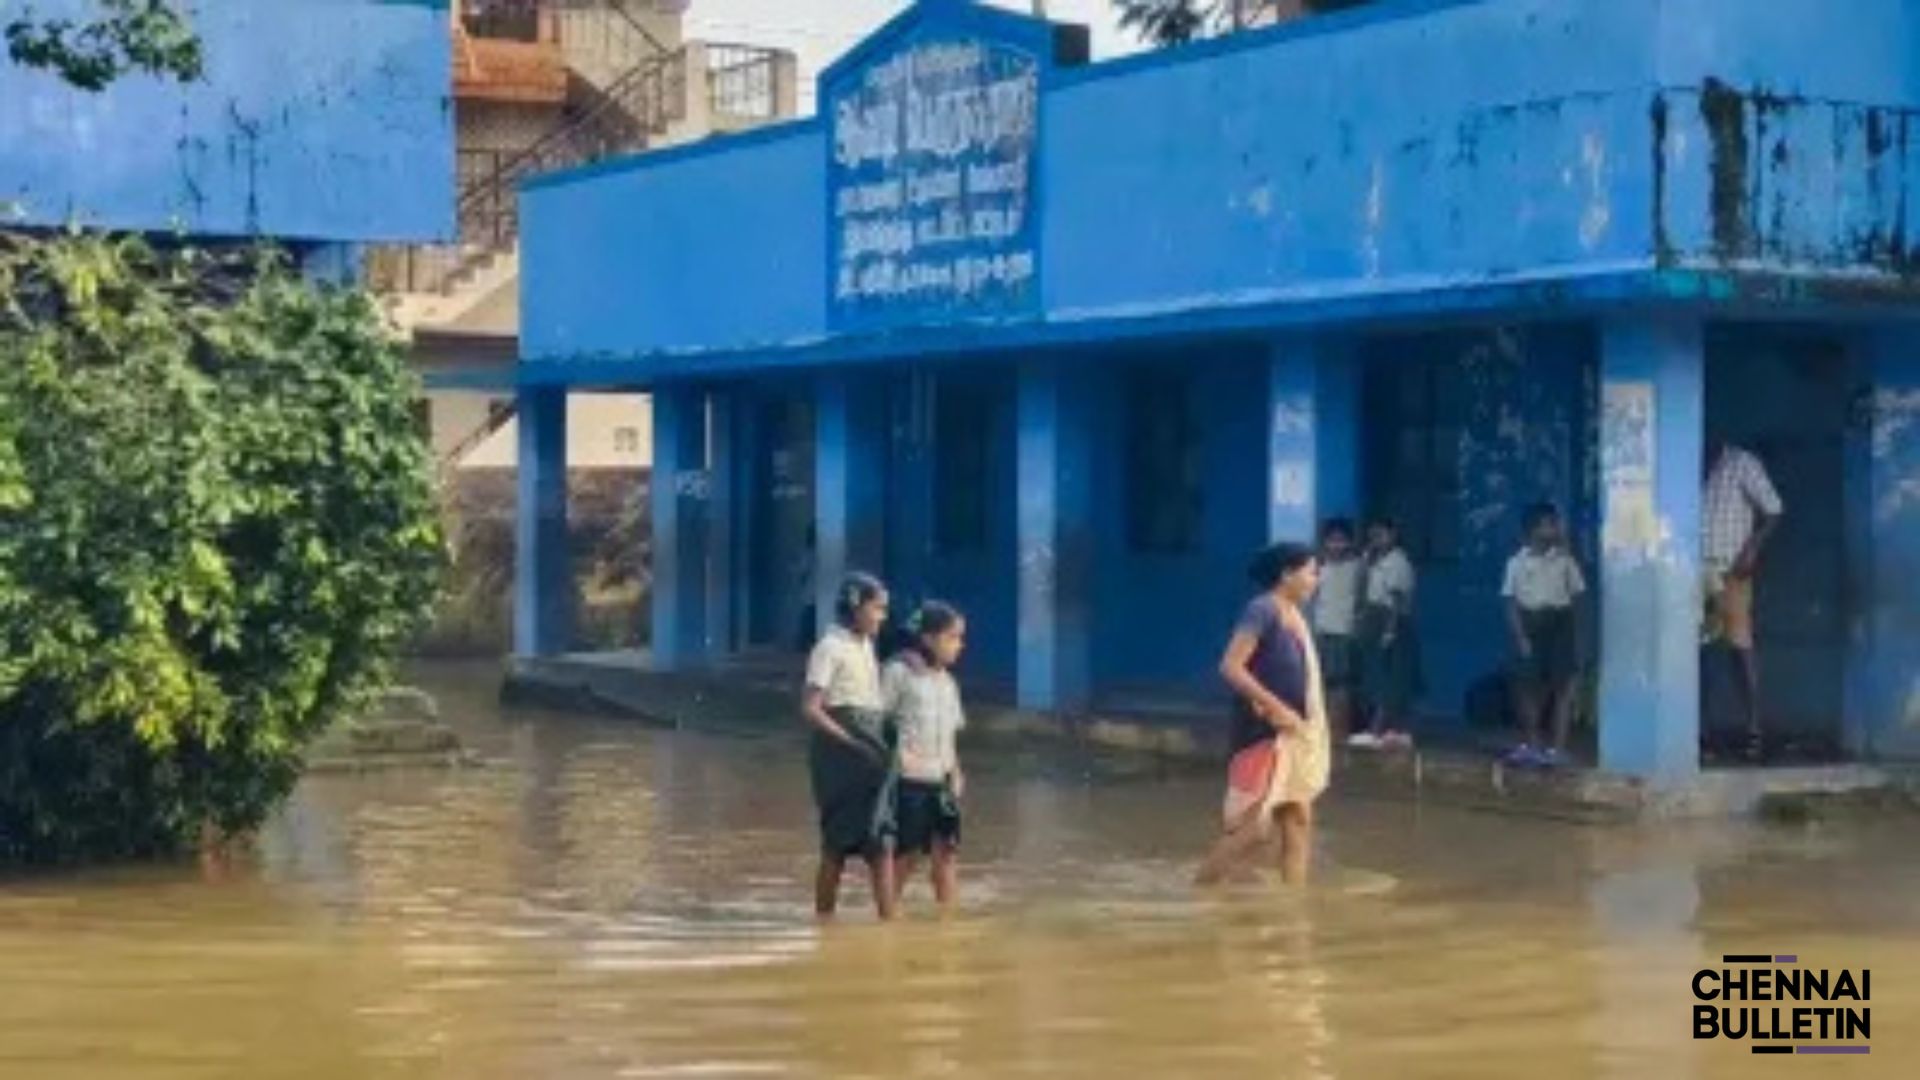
x=849, y=482
x=1055, y=539
x=1652, y=417
x=1883, y=676
x=543, y=570
x=1313, y=424
x=679, y=488
x=724, y=558
x=1337, y=420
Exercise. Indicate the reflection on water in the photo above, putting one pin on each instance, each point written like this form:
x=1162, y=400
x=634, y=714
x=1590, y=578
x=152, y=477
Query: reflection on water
x=616, y=901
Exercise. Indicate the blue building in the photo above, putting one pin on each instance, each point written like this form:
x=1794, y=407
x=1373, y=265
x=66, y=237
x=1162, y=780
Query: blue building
x=323, y=124
x=1065, y=342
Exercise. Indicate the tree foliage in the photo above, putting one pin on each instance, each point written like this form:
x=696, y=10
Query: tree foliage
x=1176, y=22
x=149, y=36
x=217, y=529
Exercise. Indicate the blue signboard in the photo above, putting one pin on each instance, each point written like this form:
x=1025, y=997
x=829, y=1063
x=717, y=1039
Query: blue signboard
x=930, y=183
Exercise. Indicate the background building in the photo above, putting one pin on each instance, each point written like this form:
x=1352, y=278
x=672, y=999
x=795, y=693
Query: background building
x=539, y=85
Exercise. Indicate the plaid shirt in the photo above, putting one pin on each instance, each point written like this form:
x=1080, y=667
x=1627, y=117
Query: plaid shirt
x=1737, y=491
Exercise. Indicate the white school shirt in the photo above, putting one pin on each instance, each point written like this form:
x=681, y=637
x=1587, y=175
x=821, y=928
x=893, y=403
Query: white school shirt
x=924, y=703
x=1540, y=582
x=1336, y=606
x=843, y=668
x=1389, y=574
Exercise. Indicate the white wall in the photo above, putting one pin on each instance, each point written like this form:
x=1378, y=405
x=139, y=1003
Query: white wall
x=604, y=431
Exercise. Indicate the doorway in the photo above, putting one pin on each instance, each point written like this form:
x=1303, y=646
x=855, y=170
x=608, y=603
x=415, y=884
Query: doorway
x=1783, y=394
x=780, y=548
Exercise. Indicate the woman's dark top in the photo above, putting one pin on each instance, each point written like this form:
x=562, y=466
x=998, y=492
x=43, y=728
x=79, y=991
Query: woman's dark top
x=1278, y=663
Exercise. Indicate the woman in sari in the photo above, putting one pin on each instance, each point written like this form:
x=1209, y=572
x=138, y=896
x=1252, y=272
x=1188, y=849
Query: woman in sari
x=1279, y=741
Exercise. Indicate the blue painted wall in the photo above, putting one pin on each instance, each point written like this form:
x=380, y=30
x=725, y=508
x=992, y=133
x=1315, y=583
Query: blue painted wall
x=1514, y=402
x=316, y=119
x=1811, y=48
x=698, y=250
x=1511, y=137
x=1885, y=700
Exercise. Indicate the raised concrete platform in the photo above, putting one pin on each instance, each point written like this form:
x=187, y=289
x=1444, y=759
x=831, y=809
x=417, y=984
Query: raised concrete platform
x=756, y=693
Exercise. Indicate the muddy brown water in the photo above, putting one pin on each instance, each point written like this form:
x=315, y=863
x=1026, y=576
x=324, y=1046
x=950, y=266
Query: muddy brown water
x=608, y=900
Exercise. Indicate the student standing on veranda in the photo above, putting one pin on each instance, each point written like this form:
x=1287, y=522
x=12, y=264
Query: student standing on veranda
x=1543, y=590
x=1336, y=615
x=1739, y=511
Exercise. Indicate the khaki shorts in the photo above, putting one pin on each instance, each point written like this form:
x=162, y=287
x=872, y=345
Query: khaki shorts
x=1730, y=611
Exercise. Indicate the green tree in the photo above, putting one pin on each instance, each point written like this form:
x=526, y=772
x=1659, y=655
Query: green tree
x=1176, y=22
x=150, y=36
x=217, y=530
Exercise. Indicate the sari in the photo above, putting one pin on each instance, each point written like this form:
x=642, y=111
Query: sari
x=1286, y=768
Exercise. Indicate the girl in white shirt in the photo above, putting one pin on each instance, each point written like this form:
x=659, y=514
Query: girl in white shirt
x=923, y=702
x=850, y=760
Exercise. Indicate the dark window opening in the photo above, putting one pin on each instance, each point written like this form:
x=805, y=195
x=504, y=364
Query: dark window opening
x=962, y=432
x=1163, y=451
x=1415, y=413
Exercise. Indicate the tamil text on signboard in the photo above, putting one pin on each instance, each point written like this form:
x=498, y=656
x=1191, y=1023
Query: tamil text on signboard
x=932, y=184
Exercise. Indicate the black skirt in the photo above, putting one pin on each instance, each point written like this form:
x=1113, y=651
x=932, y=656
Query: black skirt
x=854, y=789
x=928, y=813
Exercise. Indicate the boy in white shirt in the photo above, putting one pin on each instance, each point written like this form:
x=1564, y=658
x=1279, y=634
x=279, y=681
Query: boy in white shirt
x=1336, y=615
x=1543, y=590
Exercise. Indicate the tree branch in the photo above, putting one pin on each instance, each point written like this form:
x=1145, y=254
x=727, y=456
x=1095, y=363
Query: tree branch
x=146, y=36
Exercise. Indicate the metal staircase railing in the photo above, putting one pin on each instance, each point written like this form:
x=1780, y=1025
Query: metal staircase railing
x=638, y=106
x=628, y=111
x=498, y=414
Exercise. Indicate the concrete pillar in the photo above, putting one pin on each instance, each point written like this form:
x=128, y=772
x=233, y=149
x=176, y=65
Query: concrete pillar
x=725, y=563
x=543, y=567
x=1652, y=405
x=1883, y=550
x=679, y=492
x=696, y=116
x=849, y=483
x=786, y=85
x=1313, y=422
x=1055, y=540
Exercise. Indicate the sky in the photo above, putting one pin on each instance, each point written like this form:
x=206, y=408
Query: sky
x=820, y=30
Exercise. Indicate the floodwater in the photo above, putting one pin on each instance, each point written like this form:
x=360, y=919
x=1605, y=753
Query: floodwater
x=613, y=901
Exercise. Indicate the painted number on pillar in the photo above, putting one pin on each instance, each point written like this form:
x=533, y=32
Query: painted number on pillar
x=1633, y=528
x=692, y=485
x=1292, y=484
x=1292, y=419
